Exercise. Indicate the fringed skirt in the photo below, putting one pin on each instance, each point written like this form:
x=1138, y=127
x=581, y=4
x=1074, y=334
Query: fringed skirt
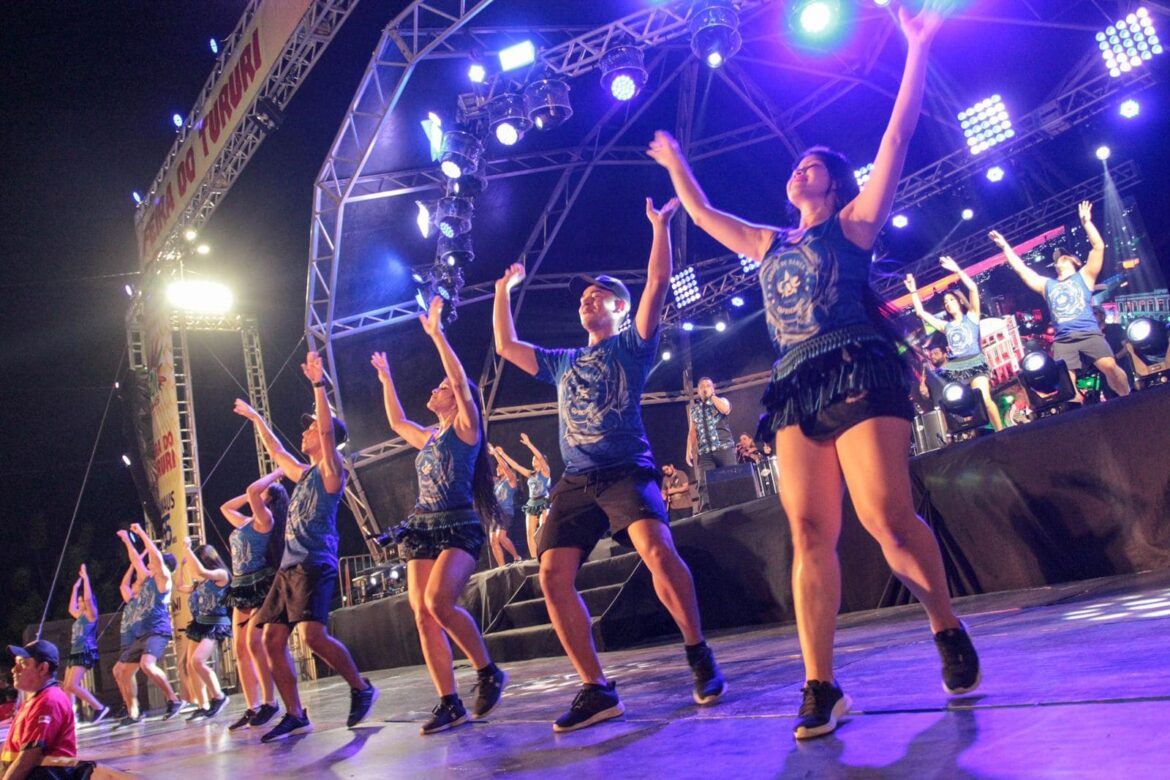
x=966, y=369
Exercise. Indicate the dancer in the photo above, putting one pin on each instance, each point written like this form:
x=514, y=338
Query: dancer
x=1070, y=299
x=257, y=544
x=154, y=630
x=126, y=673
x=539, y=478
x=302, y=590
x=83, y=653
x=610, y=481
x=838, y=405
x=445, y=534
x=505, y=491
x=966, y=365
x=210, y=623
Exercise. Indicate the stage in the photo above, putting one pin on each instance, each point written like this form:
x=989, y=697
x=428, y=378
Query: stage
x=1076, y=682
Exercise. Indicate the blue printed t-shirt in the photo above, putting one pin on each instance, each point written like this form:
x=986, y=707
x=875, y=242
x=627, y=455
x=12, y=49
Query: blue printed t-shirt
x=599, y=394
x=505, y=495
x=84, y=635
x=538, y=485
x=1071, y=302
x=207, y=604
x=311, y=533
x=963, y=338
x=249, y=549
x=131, y=617
x=445, y=466
x=156, y=609
x=712, y=431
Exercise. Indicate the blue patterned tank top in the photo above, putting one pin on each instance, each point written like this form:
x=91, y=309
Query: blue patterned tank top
x=445, y=467
x=207, y=603
x=311, y=533
x=84, y=636
x=538, y=485
x=156, y=609
x=505, y=495
x=1071, y=302
x=249, y=549
x=963, y=338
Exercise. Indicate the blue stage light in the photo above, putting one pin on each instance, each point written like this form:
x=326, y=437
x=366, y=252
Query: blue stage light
x=715, y=34
x=968, y=214
x=517, y=56
x=137, y=196
x=177, y=120
x=900, y=221
x=1129, y=108
x=995, y=174
x=685, y=287
x=622, y=72
x=1103, y=153
x=737, y=301
x=688, y=326
x=816, y=17
x=476, y=73
x=214, y=44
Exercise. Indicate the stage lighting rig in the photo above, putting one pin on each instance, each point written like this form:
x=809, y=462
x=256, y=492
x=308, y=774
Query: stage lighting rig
x=715, y=34
x=622, y=73
x=455, y=251
x=1149, y=345
x=460, y=154
x=546, y=101
x=1046, y=383
x=685, y=287
x=986, y=124
x=507, y=118
x=453, y=216
x=862, y=174
x=1129, y=42
x=426, y=216
x=965, y=412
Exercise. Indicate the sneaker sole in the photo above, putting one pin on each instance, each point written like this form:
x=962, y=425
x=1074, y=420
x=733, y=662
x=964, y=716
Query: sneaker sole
x=710, y=698
x=301, y=730
x=445, y=727
x=484, y=714
x=840, y=710
x=366, y=714
x=968, y=689
x=613, y=712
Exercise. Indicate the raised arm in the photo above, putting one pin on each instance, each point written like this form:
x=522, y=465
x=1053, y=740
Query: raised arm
x=412, y=433
x=738, y=235
x=331, y=463
x=467, y=420
x=1096, y=259
x=158, y=567
x=541, y=461
x=291, y=466
x=519, y=353
x=509, y=472
x=865, y=215
x=185, y=582
x=88, y=600
x=136, y=564
x=230, y=509
x=949, y=264
x=195, y=566
x=74, y=605
x=722, y=405
x=922, y=313
x=649, y=313
x=125, y=590
x=1034, y=280
x=513, y=464
x=262, y=519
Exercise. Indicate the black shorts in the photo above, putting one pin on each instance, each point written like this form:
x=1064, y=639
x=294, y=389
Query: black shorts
x=151, y=644
x=832, y=421
x=248, y=591
x=299, y=593
x=427, y=534
x=197, y=631
x=585, y=506
x=87, y=658
x=1074, y=346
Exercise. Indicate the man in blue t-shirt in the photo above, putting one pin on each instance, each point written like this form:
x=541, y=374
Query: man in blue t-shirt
x=1070, y=300
x=303, y=588
x=610, y=482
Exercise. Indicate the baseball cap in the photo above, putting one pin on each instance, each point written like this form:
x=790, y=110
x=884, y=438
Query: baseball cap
x=41, y=651
x=340, y=434
x=580, y=283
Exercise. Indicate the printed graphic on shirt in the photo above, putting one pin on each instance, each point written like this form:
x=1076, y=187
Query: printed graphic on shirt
x=1067, y=299
x=434, y=467
x=594, y=396
x=963, y=337
x=800, y=287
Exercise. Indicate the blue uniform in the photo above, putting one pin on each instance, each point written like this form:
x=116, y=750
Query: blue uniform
x=249, y=550
x=84, y=635
x=445, y=466
x=1071, y=302
x=311, y=534
x=506, y=496
x=963, y=338
x=156, y=609
x=208, y=605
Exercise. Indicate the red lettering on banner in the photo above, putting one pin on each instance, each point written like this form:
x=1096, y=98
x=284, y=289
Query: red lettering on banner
x=233, y=87
x=186, y=170
x=246, y=67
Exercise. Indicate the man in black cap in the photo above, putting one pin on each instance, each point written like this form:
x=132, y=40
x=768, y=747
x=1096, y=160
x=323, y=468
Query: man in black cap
x=303, y=589
x=42, y=733
x=610, y=482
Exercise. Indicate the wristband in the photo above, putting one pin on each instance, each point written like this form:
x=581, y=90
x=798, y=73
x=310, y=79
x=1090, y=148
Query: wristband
x=319, y=384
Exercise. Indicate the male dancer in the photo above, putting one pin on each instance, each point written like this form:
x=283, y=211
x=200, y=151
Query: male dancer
x=1070, y=300
x=709, y=443
x=303, y=588
x=609, y=483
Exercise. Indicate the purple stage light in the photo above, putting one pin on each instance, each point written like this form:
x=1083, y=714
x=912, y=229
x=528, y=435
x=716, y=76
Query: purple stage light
x=900, y=221
x=622, y=73
x=1130, y=108
x=995, y=174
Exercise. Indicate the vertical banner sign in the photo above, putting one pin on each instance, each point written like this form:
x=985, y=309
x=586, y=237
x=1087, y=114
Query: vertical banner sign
x=164, y=463
x=238, y=86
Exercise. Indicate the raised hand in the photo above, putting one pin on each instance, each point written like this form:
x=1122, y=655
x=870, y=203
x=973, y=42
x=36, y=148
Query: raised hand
x=513, y=275
x=242, y=408
x=998, y=239
x=314, y=370
x=1085, y=211
x=381, y=365
x=432, y=321
x=911, y=285
x=661, y=217
x=920, y=28
x=524, y=439
x=664, y=150
x=137, y=529
x=949, y=264
x=124, y=535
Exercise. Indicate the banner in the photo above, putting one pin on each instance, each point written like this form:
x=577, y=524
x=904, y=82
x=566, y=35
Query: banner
x=235, y=90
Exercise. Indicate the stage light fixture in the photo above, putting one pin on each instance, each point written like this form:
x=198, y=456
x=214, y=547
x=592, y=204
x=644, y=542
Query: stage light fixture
x=995, y=174
x=457, y=250
x=199, y=296
x=622, y=73
x=967, y=214
x=747, y=264
x=125, y=460
x=715, y=34
x=1129, y=108
x=177, y=120
x=203, y=249
x=425, y=218
x=433, y=128
x=720, y=325
x=1103, y=153
x=881, y=3
x=666, y=353
x=517, y=56
x=476, y=73
x=268, y=114
x=1046, y=383
x=1149, y=344
x=688, y=326
x=986, y=124
x=136, y=196
x=862, y=175
x=964, y=409
x=214, y=44
x=190, y=235
x=737, y=301
x=817, y=16
x=546, y=102
x=129, y=291
x=453, y=216
x=1129, y=42
x=507, y=118
x=685, y=287
x=467, y=186
x=900, y=221
x=459, y=154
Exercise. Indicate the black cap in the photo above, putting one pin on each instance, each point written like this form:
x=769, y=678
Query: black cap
x=582, y=282
x=41, y=651
x=340, y=434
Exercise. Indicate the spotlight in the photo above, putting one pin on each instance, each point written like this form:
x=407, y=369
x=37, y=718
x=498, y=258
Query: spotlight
x=900, y=221
x=685, y=288
x=203, y=249
x=737, y=301
x=966, y=415
x=190, y=235
x=177, y=120
x=517, y=56
x=862, y=175
x=1149, y=343
x=125, y=460
x=986, y=124
x=136, y=196
x=747, y=264
x=476, y=73
x=129, y=291
x=816, y=17
x=1129, y=42
x=967, y=215
x=1046, y=382
x=1103, y=153
x=622, y=72
x=199, y=297
x=425, y=219
x=457, y=250
x=881, y=3
x=433, y=127
x=688, y=326
x=214, y=44
x=453, y=216
x=715, y=32
x=268, y=114
x=995, y=174
x=507, y=118
x=720, y=326
x=547, y=103
x=666, y=353
x=467, y=186
x=1129, y=108
x=460, y=153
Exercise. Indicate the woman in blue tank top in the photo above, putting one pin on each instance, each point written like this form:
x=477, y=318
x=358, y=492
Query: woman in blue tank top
x=965, y=363
x=257, y=544
x=505, y=489
x=126, y=672
x=539, y=479
x=83, y=652
x=443, y=538
x=838, y=402
x=209, y=624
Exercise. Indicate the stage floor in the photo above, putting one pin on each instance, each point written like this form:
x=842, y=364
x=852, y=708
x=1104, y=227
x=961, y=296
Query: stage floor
x=1076, y=683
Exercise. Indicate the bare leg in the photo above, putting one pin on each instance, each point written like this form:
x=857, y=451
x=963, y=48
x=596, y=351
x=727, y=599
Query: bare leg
x=260, y=662
x=249, y=684
x=494, y=543
x=124, y=674
x=506, y=544
x=149, y=667
x=1114, y=375
x=558, y=574
x=672, y=579
x=432, y=639
x=873, y=457
x=200, y=655
x=284, y=672
x=333, y=653
x=531, y=523
x=73, y=686
x=196, y=690
x=983, y=385
x=446, y=583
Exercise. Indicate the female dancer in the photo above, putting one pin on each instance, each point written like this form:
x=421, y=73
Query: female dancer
x=444, y=536
x=539, y=478
x=125, y=672
x=257, y=545
x=210, y=623
x=505, y=490
x=838, y=403
x=966, y=364
x=83, y=654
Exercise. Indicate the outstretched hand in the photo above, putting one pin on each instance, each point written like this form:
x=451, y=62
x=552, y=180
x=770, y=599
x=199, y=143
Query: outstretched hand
x=1085, y=211
x=432, y=321
x=911, y=285
x=314, y=370
x=381, y=365
x=661, y=217
x=921, y=28
x=243, y=409
x=949, y=264
x=513, y=275
x=524, y=439
x=998, y=239
x=665, y=150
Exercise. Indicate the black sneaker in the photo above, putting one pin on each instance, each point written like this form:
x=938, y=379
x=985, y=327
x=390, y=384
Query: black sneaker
x=173, y=708
x=960, y=670
x=263, y=715
x=197, y=714
x=592, y=704
x=709, y=682
x=288, y=724
x=488, y=689
x=245, y=720
x=360, y=703
x=824, y=704
x=100, y=715
x=216, y=705
x=130, y=720
x=444, y=716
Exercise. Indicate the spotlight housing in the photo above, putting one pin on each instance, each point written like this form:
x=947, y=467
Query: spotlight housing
x=622, y=73
x=1103, y=153
x=547, y=103
x=199, y=296
x=1149, y=344
x=715, y=34
x=425, y=219
x=967, y=214
x=965, y=412
x=517, y=56
x=862, y=175
x=1046, y=383
x=995, y=174
x=1129, y=42
x=685, y=287
x=1129, y=108
x=986, y=124
x=453, y=216
x=737, y=301
x=507, y=118
x=455, y=251
x=688, y=326
x=900, y=221
x=460, y=153
x=747, y=264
